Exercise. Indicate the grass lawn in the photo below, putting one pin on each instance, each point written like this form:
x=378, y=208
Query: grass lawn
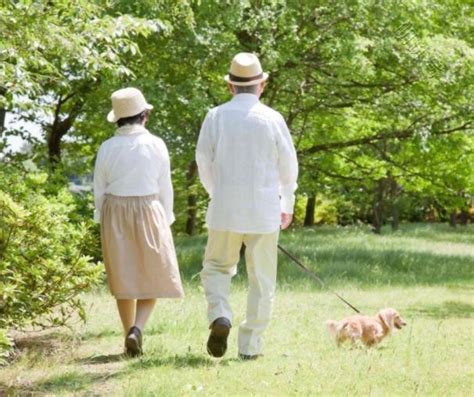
x=425, y=271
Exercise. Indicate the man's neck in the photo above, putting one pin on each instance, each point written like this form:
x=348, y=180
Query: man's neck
x=246, y=94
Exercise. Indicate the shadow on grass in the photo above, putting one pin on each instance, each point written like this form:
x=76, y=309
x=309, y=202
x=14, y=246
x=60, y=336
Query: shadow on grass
x=154, y=359
x=448, y=309
x=80, y=382
x=178, y=361
x=153, y=330
x=71, y=382
x=185, y=361
x=102, y=359
x=101, y=334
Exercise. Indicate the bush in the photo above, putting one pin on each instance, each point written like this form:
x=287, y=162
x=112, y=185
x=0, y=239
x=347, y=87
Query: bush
x=326, y=211
x=300, y=209
x=6, y=346
x=43, y=268
x=84, y=213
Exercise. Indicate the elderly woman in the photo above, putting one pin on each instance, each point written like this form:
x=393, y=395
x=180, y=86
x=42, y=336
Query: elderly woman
x=134, y=205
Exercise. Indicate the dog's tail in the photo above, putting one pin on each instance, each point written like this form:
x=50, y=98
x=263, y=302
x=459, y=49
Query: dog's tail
x=332, y=326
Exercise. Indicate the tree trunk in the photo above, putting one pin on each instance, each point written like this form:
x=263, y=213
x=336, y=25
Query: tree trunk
x=309, y=214
x=463, y=217
x=395, y=217
x=60, y=127
x=378, y=207
x=3, y=112
x=192, y=199
x=452, y=219
x=54, y=145
x=395, y=194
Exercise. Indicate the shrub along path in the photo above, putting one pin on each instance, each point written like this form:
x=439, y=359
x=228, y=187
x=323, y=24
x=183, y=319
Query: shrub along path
x=425, y=271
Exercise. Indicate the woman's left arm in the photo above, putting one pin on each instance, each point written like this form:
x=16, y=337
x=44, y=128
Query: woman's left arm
x=164, y=182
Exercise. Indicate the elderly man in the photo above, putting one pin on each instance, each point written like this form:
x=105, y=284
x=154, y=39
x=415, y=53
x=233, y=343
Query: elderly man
x=247, y=163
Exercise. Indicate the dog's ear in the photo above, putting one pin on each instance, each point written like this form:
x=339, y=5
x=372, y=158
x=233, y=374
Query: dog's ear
x=387, y=316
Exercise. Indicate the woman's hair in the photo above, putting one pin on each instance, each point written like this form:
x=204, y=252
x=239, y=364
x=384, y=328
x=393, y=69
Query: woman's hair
x=137, y=119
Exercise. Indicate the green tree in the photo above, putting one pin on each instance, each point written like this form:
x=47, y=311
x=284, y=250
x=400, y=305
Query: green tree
x=54, y=55
x=377, y=95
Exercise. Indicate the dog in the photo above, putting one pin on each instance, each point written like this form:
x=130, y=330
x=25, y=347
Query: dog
x=368, y=330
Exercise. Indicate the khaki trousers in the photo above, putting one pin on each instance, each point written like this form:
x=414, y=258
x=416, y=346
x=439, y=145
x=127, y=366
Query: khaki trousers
x=220, y=265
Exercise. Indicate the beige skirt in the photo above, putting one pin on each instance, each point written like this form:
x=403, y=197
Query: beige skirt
x=138, y=249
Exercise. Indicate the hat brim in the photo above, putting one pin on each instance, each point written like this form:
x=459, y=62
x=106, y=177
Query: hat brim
x=113, y=118
x=246, y=83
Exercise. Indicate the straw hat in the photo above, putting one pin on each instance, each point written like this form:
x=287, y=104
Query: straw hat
x=245, y=69
x=127, y=102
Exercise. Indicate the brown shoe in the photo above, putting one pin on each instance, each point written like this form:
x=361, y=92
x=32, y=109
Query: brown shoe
x=133, y=342
x=217, y=342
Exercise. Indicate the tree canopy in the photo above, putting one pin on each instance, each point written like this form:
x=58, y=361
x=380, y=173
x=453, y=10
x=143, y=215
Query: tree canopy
x=378, y=94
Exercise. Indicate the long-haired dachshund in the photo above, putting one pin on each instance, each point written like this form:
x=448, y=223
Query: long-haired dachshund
x=369, y=330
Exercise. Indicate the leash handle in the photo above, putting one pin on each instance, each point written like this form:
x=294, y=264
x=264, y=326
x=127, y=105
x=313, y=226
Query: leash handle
x=314, y=276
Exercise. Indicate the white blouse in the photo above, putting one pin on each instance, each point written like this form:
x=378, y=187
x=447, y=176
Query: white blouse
x=133, y=163
x=247, y=163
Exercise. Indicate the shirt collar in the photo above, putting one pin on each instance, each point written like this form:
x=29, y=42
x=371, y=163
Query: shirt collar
x=245, y=98
x=130, y=129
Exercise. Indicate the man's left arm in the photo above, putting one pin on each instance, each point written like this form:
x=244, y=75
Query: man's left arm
x=288, y=172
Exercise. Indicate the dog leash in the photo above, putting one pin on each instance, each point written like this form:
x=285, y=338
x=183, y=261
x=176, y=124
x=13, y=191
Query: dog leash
x=315, y=277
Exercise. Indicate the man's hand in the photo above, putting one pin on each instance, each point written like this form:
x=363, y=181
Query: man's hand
x=286, y=220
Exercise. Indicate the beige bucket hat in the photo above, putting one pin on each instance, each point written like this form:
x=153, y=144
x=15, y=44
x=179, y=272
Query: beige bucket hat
x=127, y=102
x=245, y=69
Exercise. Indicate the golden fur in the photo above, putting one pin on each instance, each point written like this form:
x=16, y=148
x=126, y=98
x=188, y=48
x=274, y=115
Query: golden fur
x=369, y=330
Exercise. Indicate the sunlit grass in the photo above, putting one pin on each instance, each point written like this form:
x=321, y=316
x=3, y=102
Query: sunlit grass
x=428, y=279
